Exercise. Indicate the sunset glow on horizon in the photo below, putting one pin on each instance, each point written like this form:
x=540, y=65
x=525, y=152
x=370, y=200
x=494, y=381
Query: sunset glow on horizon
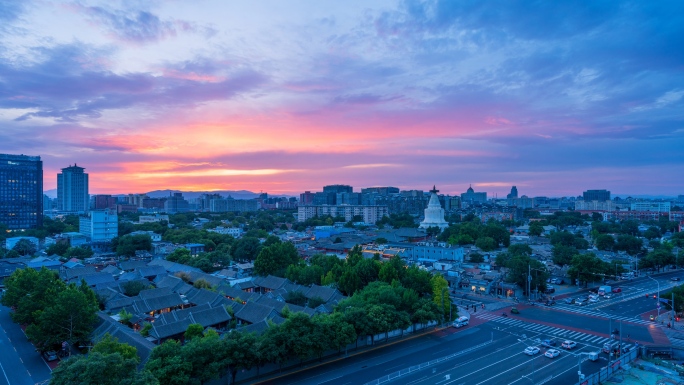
x=283, y=97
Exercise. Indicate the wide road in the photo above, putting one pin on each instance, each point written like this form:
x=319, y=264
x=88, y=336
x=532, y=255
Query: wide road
x=501, y=362
x=20, y=364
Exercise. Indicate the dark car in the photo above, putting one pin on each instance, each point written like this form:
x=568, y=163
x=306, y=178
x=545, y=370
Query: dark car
x=550, y=303
x=569, y=301
x=549, y=343
x=675, y=278
x=50, y=355
x=594, y=290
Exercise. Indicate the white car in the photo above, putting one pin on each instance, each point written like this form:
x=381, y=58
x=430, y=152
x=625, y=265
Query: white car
x=569, y=344
x=531, y=350
x=607, y=296
x=552, y=353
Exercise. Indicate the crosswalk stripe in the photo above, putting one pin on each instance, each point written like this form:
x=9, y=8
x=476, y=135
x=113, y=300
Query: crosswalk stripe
x=595, y=339
x=584, y=337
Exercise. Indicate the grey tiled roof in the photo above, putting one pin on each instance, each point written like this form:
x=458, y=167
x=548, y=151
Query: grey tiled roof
x=173, y=267
x=157, y=303
x=271, y=282
x=253, y=312
x=132, y=265
x=170, y=330
x=152, y=271
x=258, y=328
x=213, y=281
x=201, y=296
x=78, y=272
x=151, y=293
x=106, y=324
x=94, y=279
x=210, y=317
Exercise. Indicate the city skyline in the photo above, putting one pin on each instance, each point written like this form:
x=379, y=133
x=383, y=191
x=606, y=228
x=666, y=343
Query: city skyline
x=554, y=98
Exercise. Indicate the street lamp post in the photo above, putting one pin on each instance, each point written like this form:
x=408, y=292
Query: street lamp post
x=658, y=297
x=579, y=365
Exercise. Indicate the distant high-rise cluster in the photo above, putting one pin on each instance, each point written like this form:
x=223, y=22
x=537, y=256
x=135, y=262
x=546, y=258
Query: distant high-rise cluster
x=21, y=191
x=596, y=195
x=72, y=190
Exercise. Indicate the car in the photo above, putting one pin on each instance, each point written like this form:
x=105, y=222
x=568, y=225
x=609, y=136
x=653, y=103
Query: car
x=548, y=280
x=594, y=290
x=554, y=280
x=593, y=299
x=548, y=343
x=652, y=317
x=569, y=301
x=50, y=355
x=561, y=282
x=567, y=344
x=531, y=350
x=617, y=290
x=581, y=302
x=550, y=303
x=607, y=296
x=552, y=353
x=675, y=278
x=514, y=310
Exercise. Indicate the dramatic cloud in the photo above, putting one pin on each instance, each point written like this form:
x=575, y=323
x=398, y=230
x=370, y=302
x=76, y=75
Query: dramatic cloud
x=554, y=97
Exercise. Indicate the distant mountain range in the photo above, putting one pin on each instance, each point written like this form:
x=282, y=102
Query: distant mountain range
x=241, y=194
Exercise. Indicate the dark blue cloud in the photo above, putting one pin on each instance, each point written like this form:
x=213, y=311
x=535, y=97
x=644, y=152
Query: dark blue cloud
x=136, y=25
x=63, y=87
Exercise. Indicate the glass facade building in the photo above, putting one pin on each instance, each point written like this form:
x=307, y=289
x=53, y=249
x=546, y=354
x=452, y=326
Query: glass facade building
x=21, y=191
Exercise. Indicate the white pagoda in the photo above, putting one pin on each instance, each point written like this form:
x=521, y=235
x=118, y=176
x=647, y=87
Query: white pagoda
x=434, y=213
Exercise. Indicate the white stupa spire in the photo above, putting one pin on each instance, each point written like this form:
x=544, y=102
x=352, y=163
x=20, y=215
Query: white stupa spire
x=434, y=213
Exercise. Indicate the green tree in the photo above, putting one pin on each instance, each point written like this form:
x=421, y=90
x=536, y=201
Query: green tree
x=476, y=258
x=168, y=365
x=30, y=291
x=59, y=248
x=562, y=255
x=129, y=244
x=70, y=317
x=25, y=247
x=180, y=255
x=81, y=252
x=133, y=288
x=246, y=249
x=199, y=352
x=440, y=293
x=111, y=345
x=194, y=331
x=276, y=258
x=417, y=280
x=101, y=369
x=485, y=243
x=652, y=233
x=238, y=352
x=587, y=267
x=629, y=243
x=520, y=249
x=605, y=242
x=536, y=229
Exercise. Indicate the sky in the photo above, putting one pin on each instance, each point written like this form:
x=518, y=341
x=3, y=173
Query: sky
x=554, y=97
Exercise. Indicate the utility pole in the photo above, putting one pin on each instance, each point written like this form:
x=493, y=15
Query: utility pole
x=529, y=283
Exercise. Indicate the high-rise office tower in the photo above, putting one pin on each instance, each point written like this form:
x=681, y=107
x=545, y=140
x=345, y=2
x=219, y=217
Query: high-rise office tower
x=21, y=191
x=514, y=193
x=596, y=195
x=72, y=190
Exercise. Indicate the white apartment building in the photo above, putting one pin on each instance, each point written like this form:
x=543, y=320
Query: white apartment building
x=661, y=207
x=370, y=214
x=99, y=225
x=236, y=232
